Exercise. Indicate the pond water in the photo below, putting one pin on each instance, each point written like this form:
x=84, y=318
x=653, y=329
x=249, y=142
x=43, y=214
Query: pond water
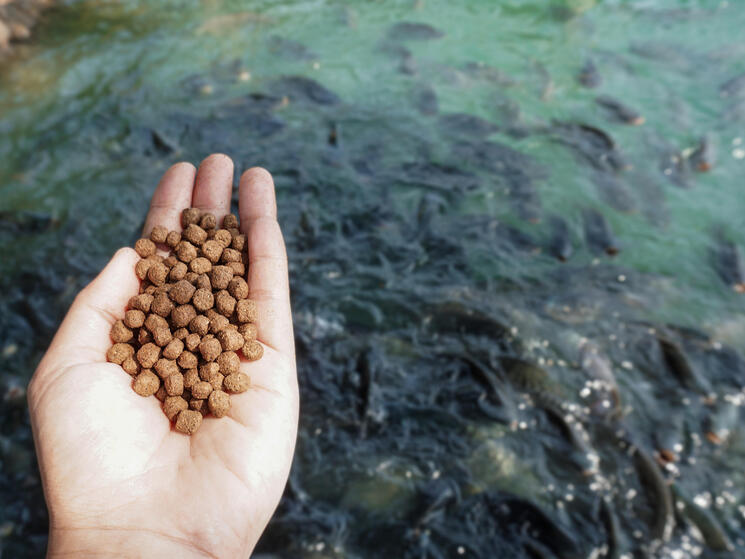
x=513, y=229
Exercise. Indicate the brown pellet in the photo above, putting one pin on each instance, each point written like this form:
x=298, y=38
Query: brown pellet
x=165, y=367
x=178, y=271
x=141, y=302
x=230, y=255
x=181, y=292
x=200, y=325
x=208, y=221
x=203, y=282
x=210, y=349
x=246, y=311
x=238, y=288
x=208, y=370
x=120, y=333
x=173, y=405
x=192, y=340
x=201, y=389
x=162, y=336
x=148, y=355
x=194, y=234
x=238, y=268
x=224, y=303
x=229, y=362
x=145, y=247
x=170, y=261
x=203, y=299
x=212, y=250
x=142, y=267
x=130, y=366
x=173, y=239
x=191, y=377
x=200, y=265
x=174, y=384
x=154, y=321
x=159, y=234
x=199, y=405
x=216, y=381
x=219, y=403
x=252, y=350
x=239, y=242
x=134, y=318
x=191, y=277
x=220, y=277
x=161, y=394
x=157, y=273
x=236, y=383
x=146, y=383
x=230, y=340
x=187, y=360
x=223, y=237
x=229, y=221
x=190, y=216
x=120, y=351
x=144, y=336
x=186, y=251
x=180, y=333
x=173, y=349
x=182, y=315
x=249, y=331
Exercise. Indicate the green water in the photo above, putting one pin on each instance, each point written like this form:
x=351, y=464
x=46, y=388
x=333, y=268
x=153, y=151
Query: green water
x=79, y=102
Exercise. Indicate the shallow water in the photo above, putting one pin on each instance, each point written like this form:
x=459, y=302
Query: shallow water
x=438, y=336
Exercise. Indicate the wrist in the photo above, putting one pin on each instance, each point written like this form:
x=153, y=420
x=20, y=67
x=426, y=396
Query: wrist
x=119, y=542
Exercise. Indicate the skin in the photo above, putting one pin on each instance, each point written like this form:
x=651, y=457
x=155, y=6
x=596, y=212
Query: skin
x=118, y=479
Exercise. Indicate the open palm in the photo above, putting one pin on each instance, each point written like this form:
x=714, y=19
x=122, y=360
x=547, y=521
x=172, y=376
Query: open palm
x=118, y=478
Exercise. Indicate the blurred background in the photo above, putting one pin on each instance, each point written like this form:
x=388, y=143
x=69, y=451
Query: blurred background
x=514, y=233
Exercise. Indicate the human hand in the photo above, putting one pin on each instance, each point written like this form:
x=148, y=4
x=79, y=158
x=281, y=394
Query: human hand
x=118, y=479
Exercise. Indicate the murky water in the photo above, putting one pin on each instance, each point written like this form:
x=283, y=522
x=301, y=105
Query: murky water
x=465, y=392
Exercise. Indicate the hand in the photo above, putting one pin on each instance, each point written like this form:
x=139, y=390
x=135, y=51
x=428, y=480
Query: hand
x=118, y=479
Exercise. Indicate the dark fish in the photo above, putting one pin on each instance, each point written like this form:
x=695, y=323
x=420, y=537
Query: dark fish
x=561, y=240
x=678, y=363
x=734, y=87
x=617, y=544
x=661, y=498
x=589, y=75
x=595, y=145
x=163, y=143
x=458, y=317
x=25, y=222
x=711, y=530
x=425, y=100
x=676, y=168
x=288, y=48
x=465, y=124
x=614, y=192
x=334, y=137
x=437, y=176
x=413, y=31
x=300, y=88
x=598, y=233
x=729, y=264
x=704, y=156
x=619, y=111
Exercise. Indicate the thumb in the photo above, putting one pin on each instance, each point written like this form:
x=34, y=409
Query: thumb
x=83, y=336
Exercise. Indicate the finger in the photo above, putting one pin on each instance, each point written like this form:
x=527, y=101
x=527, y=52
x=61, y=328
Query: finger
x=214, y=185
x=171, y=196
x=83, y=336
x=268, y=281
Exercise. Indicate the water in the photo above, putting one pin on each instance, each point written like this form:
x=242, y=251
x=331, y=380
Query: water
x=420, y=253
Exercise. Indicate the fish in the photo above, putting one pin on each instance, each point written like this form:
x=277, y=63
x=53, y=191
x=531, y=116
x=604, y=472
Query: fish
x=721, y=423
x=414, y=31
x=592, y=143
x=728, y=262
x=734, y=87
x=298, y=88
x=703, y=156
x=288, y=48
x=617, y=544
x=678, y=363
x=619, y=111
x=661, y=498
x=227, y=22
x=711, y=530
x=598, y=367
x=467, y=125
x=561, y=240
x=614, y=192
x=425, y=100
x=598, y=233
x=588, y=75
